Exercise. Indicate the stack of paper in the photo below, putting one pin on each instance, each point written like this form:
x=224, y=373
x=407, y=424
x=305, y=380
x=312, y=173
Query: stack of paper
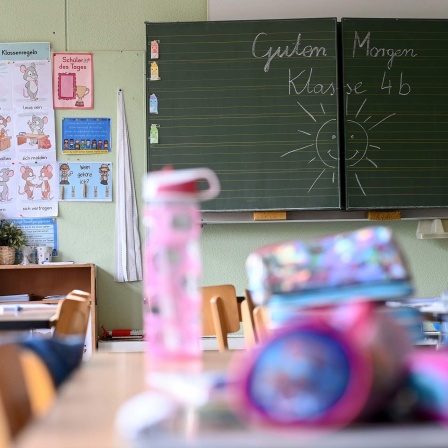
x=15, y=298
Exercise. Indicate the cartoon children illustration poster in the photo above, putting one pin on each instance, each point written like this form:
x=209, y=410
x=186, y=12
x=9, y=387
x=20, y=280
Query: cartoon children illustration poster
x=90, y=181
x=86, y=135
x=73, y=80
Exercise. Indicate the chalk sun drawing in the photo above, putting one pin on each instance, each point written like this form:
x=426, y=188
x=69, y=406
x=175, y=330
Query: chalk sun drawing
x=326, y=144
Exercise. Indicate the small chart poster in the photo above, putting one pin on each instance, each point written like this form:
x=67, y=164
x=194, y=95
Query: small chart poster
x=86, y=135
x=90, y=181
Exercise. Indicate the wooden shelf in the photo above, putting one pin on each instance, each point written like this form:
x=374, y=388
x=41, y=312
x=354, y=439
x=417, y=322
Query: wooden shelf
x=41, y=281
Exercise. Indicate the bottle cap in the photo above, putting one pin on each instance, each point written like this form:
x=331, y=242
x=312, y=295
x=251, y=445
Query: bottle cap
x=190, y=187
x=169, y=183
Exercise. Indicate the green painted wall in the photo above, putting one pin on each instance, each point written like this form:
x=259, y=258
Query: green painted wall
x=114, y=31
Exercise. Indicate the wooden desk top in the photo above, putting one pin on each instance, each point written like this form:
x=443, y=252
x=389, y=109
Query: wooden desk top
x=85, y=411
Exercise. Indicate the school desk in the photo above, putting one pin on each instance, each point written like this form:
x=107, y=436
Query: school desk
x=20, y=318
x=86, y=408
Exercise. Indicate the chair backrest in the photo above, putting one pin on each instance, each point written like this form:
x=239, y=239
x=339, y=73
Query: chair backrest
x=40, y=386
x=261, y=323
x=14, y=396
x=26, y=390
x=220, y=314
x=72, y=316
x=250, y=338
x=247, y=317
x=5, y=435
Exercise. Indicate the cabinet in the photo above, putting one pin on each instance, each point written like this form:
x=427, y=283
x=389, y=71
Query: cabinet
x=41, y=281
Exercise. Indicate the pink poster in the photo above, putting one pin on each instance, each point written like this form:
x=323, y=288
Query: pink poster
x=73, y=80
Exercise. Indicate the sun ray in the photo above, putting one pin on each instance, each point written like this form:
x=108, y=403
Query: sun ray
x=312, y=160
x=298, y=149
x=373, y=146
x=317, y=178
x=334, y=175
x=353, y=157
x=359, y=110
x=322, y=107
x=303, y=132
x=307, y=112
x=367, y=119
x=372, y=162
x=360, y=186
x=384, y=119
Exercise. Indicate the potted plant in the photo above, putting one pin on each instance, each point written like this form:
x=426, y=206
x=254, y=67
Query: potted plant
x=11, y=239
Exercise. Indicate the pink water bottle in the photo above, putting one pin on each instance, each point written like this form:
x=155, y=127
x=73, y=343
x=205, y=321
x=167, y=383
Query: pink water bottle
x=172, y=264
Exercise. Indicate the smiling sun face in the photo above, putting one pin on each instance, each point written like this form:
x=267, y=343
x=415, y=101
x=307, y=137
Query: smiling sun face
x=327, y=145
x=358, y=142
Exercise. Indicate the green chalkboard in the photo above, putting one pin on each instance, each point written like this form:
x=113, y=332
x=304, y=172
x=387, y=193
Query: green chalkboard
x=395, y=75
x=256, y=101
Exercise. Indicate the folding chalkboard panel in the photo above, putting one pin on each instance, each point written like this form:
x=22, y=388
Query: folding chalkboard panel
x=396, y=113
x=256, y=101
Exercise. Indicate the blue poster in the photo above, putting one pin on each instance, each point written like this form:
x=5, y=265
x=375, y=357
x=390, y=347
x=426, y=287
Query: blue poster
x=86, y=135
x=89, y=181
x=39, y=232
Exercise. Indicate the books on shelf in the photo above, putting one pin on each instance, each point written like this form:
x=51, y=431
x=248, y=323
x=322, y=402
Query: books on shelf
x=55, y=297
x=15, y=298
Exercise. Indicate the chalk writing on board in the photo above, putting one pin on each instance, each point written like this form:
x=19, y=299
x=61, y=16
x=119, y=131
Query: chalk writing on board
x=403, y=88
x=270, y=54
x=376, y=52
x=306, y=85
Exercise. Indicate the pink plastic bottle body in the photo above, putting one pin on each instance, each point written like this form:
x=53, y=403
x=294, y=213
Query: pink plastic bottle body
x=172, y=266
x=171, y=281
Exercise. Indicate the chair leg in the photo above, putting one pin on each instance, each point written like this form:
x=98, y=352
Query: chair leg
x=221, y=335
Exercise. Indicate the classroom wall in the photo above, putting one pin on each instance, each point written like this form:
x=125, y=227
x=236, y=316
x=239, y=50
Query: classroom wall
x=114, y=30
x=283, y=9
